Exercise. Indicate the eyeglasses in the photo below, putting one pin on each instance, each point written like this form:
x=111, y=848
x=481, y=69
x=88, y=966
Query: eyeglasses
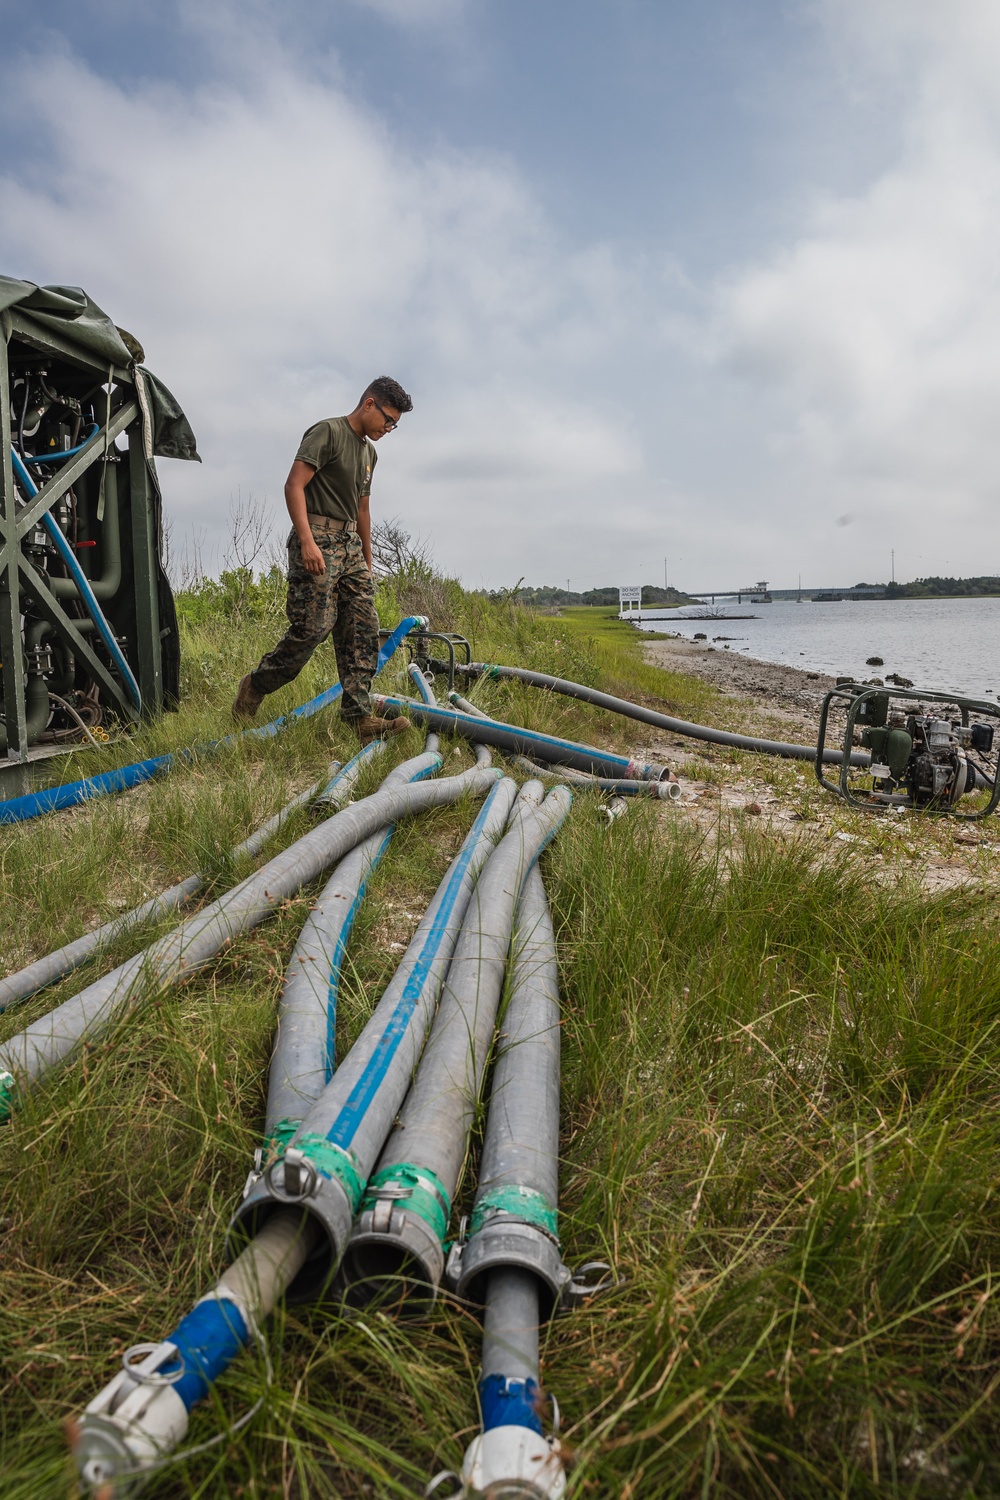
x=390, y=424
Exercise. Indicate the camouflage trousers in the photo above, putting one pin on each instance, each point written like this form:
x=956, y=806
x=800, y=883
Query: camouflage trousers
x=338, y=602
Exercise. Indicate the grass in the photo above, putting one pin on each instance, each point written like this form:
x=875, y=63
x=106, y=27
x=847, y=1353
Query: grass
x=779, y=1123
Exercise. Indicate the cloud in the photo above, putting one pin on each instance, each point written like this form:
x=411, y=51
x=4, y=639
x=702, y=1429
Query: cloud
x=581, y=405
x=416, y=12
x=878, y=325
x=274, y=247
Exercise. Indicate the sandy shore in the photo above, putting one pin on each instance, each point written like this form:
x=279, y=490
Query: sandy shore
x=783, y=796
x=785, y=692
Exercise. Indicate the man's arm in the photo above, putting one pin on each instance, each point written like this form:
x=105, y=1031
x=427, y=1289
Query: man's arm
x=365, y=528
x=299, y=476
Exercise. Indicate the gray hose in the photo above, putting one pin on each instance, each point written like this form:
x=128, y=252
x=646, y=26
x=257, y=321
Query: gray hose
x=303, y=1058
x=53, y=966
x=481, y=751
x=338, y=792
x=397, y=1244
x=425, y=687
x=28, y=1056
x=521, y=1147
x=514, y=1219
x=327, y=1166
x=661, y=721
x=44, y=971
x=666, y=791
x=466, y=707
x=663, y=791
x=510, y=1325
x=511, y=1262
x=515, y=739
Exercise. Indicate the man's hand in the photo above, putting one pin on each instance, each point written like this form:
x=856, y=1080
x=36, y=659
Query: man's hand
x=365, y=530
x=295, y=498
x=312, y=556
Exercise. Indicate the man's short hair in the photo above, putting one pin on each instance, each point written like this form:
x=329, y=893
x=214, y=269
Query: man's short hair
x=388, y=392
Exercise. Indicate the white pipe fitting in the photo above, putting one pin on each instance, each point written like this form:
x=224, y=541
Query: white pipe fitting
x=129, y=1427
x=513, y=1463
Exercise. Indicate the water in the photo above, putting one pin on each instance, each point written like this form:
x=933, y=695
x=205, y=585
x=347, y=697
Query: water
x=947, y=645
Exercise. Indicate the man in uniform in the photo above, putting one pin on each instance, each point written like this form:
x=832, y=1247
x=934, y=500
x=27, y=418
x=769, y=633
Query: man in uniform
x=330, y=588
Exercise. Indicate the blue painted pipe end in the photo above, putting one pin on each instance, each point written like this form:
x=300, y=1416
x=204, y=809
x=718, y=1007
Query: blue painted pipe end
x=207, y=1342
x=510, y=1403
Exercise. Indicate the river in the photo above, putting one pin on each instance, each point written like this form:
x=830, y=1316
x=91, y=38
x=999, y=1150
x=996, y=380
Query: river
x=948, y=645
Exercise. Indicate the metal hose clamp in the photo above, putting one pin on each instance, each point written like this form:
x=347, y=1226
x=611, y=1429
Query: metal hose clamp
x=142, y=1352
x=434, y=1485
x=578, y=1289
x=298, y=1179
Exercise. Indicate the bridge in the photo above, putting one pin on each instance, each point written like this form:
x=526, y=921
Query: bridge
x=753, y=593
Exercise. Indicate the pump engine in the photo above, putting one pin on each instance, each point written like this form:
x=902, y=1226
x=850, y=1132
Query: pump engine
x=925, y=750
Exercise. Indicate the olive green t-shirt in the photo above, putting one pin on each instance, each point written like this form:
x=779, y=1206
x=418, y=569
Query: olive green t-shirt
x=343, y=464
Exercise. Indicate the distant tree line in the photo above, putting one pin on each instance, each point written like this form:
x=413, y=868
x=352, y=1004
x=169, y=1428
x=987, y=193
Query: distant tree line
x=548, y=597
x=935, y=587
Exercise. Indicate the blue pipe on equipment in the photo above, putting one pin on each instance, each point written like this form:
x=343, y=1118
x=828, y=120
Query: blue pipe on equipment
x=83, y=584
x=58, y=454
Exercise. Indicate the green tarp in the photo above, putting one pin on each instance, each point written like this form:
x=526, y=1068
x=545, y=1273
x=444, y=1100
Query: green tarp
x=69, y=311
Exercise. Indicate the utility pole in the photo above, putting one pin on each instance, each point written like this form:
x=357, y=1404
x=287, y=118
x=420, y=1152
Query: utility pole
x=664, y=575
x=894, y=565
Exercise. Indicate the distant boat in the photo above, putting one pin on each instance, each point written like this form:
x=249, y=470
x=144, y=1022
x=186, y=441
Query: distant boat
x=828, y=598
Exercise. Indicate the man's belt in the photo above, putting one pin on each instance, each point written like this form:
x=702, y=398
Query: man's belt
x=327, y=524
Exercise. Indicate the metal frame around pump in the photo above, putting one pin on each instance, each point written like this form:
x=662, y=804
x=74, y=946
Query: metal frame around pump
x=419, y=649
x=855, y=695
x=19, y=579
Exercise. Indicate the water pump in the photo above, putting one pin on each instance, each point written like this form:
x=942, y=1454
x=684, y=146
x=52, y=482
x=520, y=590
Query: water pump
x=927, y=750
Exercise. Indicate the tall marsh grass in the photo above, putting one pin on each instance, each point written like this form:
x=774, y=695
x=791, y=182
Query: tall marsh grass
x=778, y=1123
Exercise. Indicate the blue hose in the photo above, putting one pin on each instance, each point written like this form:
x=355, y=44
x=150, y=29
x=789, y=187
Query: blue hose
x=509, y=737
x=56, y=798
x=80, y=579
x=58, y=454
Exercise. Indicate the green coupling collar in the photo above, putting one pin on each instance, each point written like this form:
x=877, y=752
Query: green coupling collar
x=522, y=1203
x=417, y=1189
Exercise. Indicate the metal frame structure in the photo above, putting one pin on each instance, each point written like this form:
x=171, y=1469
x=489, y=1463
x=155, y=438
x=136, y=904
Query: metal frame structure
x=20, y=580
x=854, y=696
x=450, y=639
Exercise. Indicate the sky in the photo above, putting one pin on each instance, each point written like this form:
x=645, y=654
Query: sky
x=706, y=291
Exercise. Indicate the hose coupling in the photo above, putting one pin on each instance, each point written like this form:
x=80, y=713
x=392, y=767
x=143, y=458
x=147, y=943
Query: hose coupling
x=323, y=1181
x=298, y=1178
x=513, y=1463
x=397, y=1243
x=126, y=1429
x=594, y=1278
x=509, y=1242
